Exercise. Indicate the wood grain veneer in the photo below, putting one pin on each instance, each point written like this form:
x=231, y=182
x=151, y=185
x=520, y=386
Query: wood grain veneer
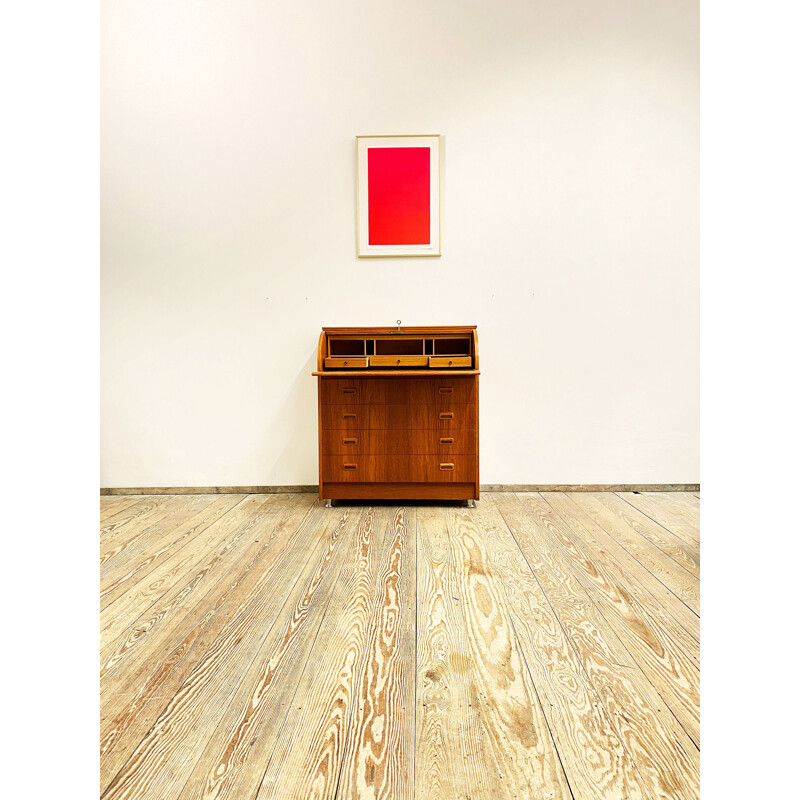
x=407, y=418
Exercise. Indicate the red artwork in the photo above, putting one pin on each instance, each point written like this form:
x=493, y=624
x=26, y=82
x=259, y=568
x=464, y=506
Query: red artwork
x=399, y=181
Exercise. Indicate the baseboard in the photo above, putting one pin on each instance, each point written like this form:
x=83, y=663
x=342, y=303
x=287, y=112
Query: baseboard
x=489, y=487
x=209, y=490
x=591, y=487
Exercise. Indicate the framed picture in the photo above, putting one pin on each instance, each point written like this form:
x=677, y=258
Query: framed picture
x=399, y=193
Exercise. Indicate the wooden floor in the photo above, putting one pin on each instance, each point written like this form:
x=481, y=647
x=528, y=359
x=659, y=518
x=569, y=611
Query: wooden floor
x=538, y=646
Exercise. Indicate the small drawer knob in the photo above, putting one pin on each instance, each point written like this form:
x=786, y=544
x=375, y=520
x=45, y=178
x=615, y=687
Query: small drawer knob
x=446, y=389
x=446, y=415
x=349, y=441
x=446, y=440
x=348, y=391
x=446, y=466
x=350, y=466
x=349, y=415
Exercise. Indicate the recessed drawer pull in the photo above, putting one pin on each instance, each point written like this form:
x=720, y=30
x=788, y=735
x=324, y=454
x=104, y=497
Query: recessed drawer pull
x=349, y=391
x=349, y=415
x=446, y=466
x=446, y=390
x=448, y=440
x=349, y=441
x=446, y=415
x=350, y=466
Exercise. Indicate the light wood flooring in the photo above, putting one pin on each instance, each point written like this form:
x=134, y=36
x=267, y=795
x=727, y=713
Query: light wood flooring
x=537, y=646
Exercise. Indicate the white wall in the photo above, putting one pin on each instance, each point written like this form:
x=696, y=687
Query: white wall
x=570, y=231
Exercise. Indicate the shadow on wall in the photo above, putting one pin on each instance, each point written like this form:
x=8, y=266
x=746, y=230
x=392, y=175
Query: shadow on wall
x=289, y=446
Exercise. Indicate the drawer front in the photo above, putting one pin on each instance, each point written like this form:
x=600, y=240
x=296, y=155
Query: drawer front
x=378, y=391
x=398, y=391
x=397, y=442
x=450, y=362
x=401, y=468
x=351, y=362
x=399, y=361
x=414, y=416
x=455, y=390
x=341, y=391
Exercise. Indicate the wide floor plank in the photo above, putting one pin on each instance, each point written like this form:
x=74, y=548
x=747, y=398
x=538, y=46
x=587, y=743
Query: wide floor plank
x=264, y=647
x=307, y=758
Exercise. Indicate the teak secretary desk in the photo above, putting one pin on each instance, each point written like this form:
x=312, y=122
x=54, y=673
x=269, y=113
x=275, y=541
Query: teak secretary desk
x=398, y=413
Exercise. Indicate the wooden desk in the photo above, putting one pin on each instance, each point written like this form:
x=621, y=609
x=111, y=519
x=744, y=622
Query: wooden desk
x=398, y=413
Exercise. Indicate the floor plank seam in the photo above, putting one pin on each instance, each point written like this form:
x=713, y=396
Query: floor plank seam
x=648, y=592
x=301, y=672
x=278, y=617
x=178, y=691
x=214, y=585
x=621, y=643
x=653, y=519
x=661, y=549
x=185, y=544
x=579, y=660
x=541, y=705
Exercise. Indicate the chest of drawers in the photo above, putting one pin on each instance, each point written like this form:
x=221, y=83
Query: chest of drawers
x=398, y=413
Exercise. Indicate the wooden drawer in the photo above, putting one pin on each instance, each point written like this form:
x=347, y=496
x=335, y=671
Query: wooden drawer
x=341, y=391
x=351, y=362
x=379, y=391
x=398, y=442
x=399, y=361
x=455, y=390
x=450, y=362
x=397, y=391
x=413, y=416
x=400, y=468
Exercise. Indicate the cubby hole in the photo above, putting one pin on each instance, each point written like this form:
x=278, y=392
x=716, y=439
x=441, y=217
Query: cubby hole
x=370, y=347
x=452, y=347
x=346, y=347
x=429, y=347
x=399, y=347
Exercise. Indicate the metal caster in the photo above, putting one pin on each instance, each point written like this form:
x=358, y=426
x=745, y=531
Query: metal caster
x=328, y=504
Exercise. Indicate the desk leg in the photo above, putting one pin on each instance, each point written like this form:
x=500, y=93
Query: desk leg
x=328, y=504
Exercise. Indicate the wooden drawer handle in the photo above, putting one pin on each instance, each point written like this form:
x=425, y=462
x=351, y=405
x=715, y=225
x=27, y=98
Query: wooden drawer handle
x=349, y=441
x=348, y=391
x=446, y=415
x=349, y=416
x=446, y=466
x=448, y=440
x=446, y=389
x=350, y=466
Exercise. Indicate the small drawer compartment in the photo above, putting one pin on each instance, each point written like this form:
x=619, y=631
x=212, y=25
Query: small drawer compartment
x=449, y=362
x=352, y=362
x=399, y=361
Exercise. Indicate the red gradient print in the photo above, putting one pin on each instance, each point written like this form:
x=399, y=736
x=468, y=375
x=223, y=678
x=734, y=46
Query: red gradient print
x=399, y=191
